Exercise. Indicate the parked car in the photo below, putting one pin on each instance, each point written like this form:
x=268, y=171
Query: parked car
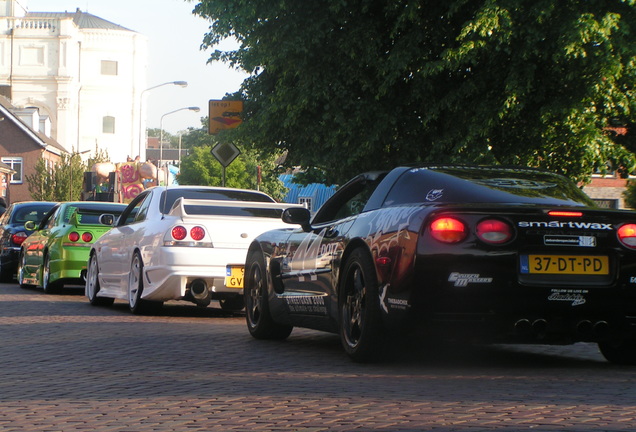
x=57, y=251
x=496, y=254
x=180, y=243
x=13, y=232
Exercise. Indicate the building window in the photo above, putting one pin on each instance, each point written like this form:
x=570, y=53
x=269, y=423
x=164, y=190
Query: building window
x=16, y=164
x=109, y=67
x=307, y=202
x=108, y=125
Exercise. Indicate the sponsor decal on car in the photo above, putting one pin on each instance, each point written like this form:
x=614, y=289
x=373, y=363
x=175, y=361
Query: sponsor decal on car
x=434, y=194
x=565, y=240
x=313, y=305
x=463, y=279
x=515, y=183
x=391, y=302
x=559, y=224
x=576, y=297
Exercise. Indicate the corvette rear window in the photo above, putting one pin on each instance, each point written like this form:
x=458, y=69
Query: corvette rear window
x=484, y=185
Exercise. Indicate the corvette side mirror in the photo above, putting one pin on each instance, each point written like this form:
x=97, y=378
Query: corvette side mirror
x=297, y=216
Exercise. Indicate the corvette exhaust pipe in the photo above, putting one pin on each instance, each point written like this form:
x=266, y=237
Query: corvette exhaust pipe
x=539, y=326
x=601, y=328
x=523, y=327
x=584, y=328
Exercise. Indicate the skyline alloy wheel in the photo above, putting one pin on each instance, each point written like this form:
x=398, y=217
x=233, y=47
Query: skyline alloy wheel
x=260, y=323
x=361, y=331
x=135, y=285
x=92, y=285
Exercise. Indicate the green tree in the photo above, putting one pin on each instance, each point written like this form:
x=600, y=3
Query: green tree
x=64, y=180
x=366, y=84
x=200, y=167
x=630, y=194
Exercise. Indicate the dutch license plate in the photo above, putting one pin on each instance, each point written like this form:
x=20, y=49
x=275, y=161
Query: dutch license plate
x=234, y=275
x=565, y=264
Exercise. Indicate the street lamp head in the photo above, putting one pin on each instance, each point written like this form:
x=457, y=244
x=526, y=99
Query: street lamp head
x=195, y=109
x=180, y=83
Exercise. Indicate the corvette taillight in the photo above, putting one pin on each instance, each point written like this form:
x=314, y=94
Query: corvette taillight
x=179, y=232
x=197, y=233
x=494, y=231
x=73, y=236
x=448, y=230
x=627, y=235
x=87, y=237
x=18, y=238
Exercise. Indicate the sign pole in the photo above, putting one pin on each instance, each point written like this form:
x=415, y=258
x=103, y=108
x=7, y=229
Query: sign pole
x=224, y=114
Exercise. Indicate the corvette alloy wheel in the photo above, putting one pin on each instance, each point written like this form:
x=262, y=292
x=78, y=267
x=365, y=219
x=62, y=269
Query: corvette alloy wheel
x=260, y=323
x=361, y=331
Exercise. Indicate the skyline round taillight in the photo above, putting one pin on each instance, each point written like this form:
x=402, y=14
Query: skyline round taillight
x=448, y=230
x=73, y=236
x=87, y=237
x=18, y=238
x=494, y=231
x=179, y=232
x=197, y=233
x=627, y=235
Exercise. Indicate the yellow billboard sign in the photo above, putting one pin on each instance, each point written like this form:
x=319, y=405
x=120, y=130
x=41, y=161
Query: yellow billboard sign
x=224, y=114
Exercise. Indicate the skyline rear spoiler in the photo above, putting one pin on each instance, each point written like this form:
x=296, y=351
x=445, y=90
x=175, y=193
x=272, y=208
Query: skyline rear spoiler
x=178, y=208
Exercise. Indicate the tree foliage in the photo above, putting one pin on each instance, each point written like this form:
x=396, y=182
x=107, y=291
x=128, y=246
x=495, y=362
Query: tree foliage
x=64, y=180
x=344, y=86
x=630, y=194
x=200, y=167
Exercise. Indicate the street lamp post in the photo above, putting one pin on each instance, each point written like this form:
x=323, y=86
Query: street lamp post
x=160, y=162
x=142, y=133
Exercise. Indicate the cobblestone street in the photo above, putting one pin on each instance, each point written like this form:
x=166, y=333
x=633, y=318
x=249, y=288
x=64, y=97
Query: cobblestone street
x=68, y=366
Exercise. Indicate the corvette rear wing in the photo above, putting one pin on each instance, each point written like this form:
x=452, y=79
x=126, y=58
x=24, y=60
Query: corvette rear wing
x=184, y=207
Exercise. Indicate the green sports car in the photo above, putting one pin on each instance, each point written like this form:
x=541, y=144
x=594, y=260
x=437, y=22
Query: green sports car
x=57, y=251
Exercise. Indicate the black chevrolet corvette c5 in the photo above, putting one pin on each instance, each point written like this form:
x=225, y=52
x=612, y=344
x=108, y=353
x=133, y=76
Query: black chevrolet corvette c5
x=498, y=254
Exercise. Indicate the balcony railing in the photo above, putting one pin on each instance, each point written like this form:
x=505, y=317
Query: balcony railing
x=50, y=24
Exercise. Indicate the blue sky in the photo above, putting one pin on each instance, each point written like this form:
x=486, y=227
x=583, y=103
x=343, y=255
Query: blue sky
x=174, y=36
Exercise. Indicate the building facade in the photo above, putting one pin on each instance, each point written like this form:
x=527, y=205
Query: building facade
x=84, y=73
x=21, y=146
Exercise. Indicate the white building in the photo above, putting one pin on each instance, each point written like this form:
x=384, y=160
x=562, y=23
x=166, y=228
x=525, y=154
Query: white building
x=85, y=73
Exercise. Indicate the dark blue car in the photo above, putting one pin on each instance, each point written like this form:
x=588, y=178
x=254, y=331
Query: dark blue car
x=13, y=232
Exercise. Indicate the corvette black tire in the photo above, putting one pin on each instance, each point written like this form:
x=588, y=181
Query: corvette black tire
x=361, y=331
x=48, y=286
x=233, y=304
x=619, y=352
x=260, y=323
x=92, y=285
